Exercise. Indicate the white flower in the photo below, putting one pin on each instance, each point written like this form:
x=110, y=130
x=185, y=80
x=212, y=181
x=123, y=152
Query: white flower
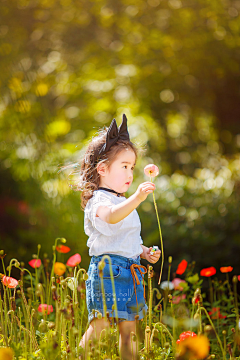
x=72, y=283
x=167, y=285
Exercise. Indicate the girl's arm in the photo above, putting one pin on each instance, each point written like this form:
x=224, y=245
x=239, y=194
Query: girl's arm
x=119, y=212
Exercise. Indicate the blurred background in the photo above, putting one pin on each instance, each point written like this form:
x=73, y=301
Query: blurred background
x=69, y=67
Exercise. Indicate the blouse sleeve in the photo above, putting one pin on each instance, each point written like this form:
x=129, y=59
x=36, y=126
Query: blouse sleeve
x=102, y=226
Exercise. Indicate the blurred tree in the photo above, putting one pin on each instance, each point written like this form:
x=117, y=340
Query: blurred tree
x=68, y=67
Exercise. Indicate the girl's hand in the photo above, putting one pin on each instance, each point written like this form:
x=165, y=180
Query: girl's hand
x=152, y=258
x=144, y=189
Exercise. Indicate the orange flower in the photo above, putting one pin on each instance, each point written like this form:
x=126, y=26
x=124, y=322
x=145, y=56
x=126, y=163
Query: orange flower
x=63, y=249
x=74, y=260
x=226, y=269
x=151, y=170
x=6, y=353
x=10, y=282
x=215, y=313
x=59, y=268
x=208, y=271
x=196, y=347
x=35, y=263
x=45, y=309
x=181, y=267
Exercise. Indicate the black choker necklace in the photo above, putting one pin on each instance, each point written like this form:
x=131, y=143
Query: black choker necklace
x=110, y=190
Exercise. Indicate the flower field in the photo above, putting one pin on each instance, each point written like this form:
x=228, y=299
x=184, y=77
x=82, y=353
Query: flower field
x=43, y=313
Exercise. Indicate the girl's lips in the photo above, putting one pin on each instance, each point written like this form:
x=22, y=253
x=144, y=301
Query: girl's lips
x=128, y=183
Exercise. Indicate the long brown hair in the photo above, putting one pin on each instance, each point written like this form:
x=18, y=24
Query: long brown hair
x=89, y=179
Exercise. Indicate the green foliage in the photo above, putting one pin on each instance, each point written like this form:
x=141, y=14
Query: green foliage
x=172, y=66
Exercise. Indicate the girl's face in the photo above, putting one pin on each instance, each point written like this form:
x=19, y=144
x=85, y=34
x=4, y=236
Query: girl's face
x=119, y=176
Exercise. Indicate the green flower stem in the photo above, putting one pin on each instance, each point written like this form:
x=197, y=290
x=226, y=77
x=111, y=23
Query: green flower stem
x=237, y=316
x=8, y=291
x=52, y=271
x=211, y=291
x=4, y=323
x=210, y=320
x=166, y=330
x=18, y=267
x=160, y=233
x=150, y=296
x=113, y=287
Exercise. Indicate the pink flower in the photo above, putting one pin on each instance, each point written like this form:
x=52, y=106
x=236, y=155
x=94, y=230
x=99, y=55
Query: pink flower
x=35, y=263
x=151, y=170
x=177, y=299
x=74, y=260
x=176, y=282
x=44, y=308
x=9, y=282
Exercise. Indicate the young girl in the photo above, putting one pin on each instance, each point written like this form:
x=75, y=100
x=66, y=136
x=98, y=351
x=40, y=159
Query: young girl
x=113, y=227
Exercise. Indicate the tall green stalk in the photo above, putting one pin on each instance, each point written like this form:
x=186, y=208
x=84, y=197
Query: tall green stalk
x=160, y=233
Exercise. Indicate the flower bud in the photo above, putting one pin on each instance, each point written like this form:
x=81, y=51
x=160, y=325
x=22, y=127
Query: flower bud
x=235, y=279
x=208, y=328
x=197, y=292
x=101, y=265
x=134, y=338
x=170, y=259
x=196, y=316
x=40, y=287
x=167, y=345
x=99, y=316
x=51, y=325
x=85, y=277
x=224, y=332
x=42, y=326
x=38, y=293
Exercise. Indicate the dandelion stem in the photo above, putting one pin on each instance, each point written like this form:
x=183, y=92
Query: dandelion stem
x=160, y=233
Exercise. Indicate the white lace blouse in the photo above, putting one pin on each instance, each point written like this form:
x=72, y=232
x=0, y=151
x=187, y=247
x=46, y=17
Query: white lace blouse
x=122, y=238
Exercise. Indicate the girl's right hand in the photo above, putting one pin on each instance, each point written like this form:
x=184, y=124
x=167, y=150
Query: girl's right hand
x=144, y=189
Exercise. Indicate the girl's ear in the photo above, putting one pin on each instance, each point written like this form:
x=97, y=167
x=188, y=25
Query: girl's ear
x=101, y=169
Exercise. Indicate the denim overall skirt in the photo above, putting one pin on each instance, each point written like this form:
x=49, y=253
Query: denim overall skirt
x=129, y=286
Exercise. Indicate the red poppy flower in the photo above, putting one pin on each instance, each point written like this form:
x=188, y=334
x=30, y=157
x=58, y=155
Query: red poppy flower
x=9, y=282
x=185, y=335
x=238, y=277
x=35, y=263
x=181, y=267
x=63, y=249
x=215, y=313
x=226, y=269
x=74, y=260
x=45, y=309
x=208, y=271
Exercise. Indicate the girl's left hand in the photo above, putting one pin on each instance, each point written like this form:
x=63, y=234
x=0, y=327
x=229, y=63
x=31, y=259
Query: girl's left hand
x=152, y=258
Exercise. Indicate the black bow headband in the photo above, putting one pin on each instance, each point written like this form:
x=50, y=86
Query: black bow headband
x=113, y=135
